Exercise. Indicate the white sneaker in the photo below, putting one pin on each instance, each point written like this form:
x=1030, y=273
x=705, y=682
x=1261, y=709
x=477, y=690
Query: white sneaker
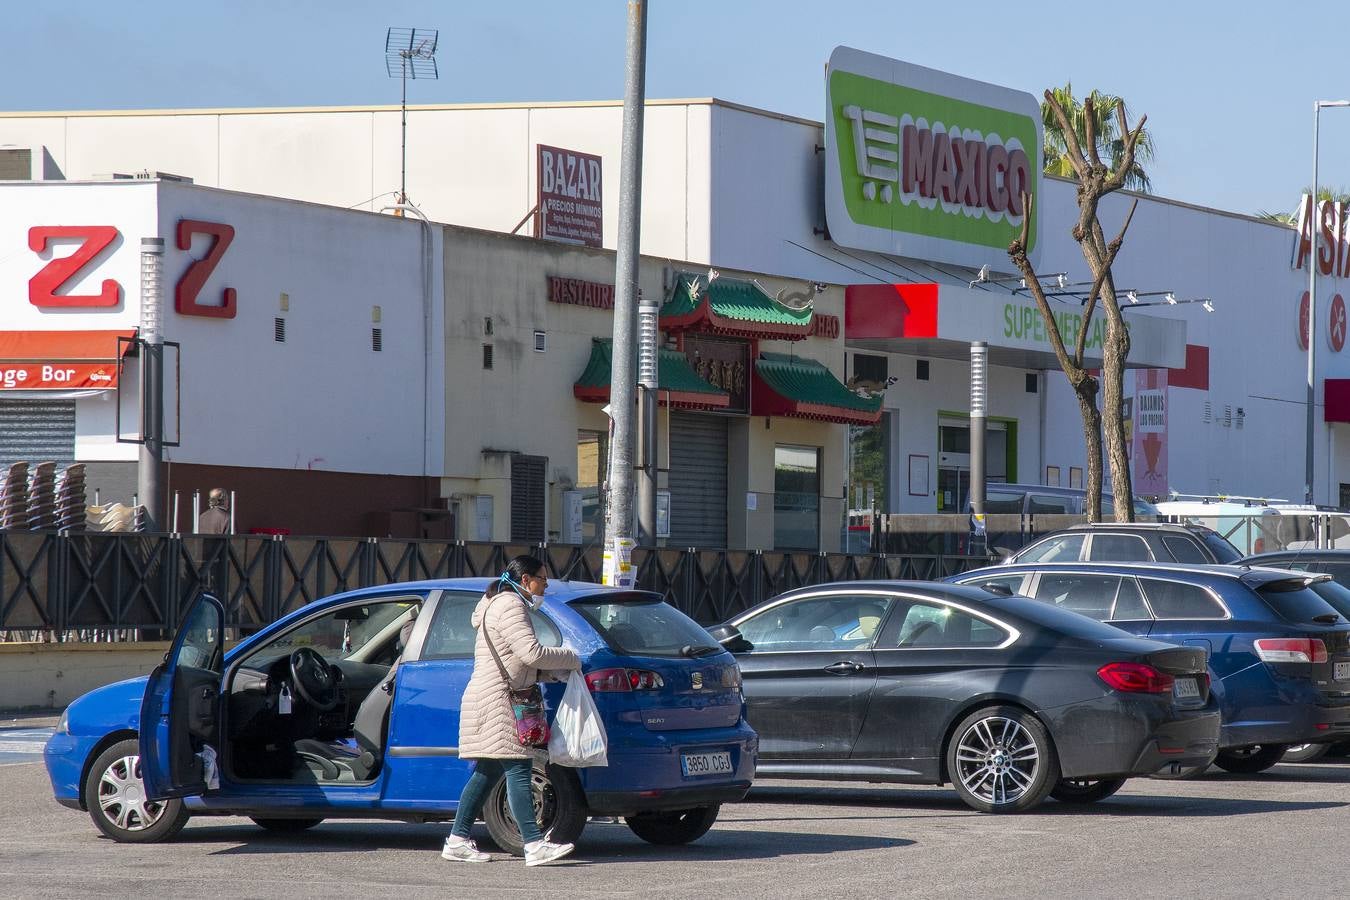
x=541, y=852
x=458, y=849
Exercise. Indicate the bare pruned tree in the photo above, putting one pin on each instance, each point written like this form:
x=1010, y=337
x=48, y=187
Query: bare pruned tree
x=1095, y=180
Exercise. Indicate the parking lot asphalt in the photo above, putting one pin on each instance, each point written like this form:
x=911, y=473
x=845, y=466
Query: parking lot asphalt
x=1285, y=833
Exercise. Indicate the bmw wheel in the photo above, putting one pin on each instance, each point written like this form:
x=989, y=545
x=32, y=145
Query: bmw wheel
x=1305, y=752
x=1000, y=759
x=673, y=828
x=559, y=808
x=1249, y=760
x=1085, y=790
x=115, y=797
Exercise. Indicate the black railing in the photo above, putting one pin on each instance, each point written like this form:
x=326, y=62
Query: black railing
x=65, y=586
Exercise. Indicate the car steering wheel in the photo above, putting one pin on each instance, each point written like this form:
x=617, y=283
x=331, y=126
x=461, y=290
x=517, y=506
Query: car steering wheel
x=314, y=679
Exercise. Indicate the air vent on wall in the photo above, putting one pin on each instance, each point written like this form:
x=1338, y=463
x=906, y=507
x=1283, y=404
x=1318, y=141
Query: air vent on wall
x=279, y=330
x=487, y=356
x=540, y=341
x=376, y=339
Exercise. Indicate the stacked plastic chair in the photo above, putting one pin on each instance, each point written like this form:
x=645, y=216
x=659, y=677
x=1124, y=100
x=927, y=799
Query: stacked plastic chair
x=71, y=510
x=14, y=498
x=42, y=497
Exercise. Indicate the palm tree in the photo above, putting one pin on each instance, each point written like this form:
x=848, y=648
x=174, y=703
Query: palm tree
x=1324, y=193
x=1110, y=142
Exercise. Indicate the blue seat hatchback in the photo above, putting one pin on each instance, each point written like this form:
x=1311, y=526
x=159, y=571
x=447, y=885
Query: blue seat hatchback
x=349, y=707
x=1279, y=652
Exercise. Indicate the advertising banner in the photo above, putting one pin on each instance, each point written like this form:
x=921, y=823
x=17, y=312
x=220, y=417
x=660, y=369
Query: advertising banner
x=571, y=208
x=926, y=164
x=1148, y=450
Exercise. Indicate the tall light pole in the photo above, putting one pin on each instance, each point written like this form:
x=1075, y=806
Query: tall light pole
x=1313, y=228
x=623, y=371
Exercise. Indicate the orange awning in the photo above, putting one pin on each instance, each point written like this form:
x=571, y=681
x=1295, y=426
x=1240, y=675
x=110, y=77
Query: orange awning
x=61, y=360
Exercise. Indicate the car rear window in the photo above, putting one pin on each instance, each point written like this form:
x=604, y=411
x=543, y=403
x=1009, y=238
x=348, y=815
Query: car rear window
x=1295, y=603
x=1119, y=548
x=1223, y=550
x=1184, y=550
x=1336, y=595
x=645, y=627
x=1178, y=600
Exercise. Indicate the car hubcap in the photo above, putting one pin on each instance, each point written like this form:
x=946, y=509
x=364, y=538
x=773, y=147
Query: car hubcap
x=121, y=796
x=541, y=798
x=997, y=760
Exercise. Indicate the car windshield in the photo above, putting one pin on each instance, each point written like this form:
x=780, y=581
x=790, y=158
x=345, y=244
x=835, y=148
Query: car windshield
x=642, y=626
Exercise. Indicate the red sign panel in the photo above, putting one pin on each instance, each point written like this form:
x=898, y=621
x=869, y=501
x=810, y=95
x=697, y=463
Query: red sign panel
x=1336, y=323
x=571, y=207
x=49, y=375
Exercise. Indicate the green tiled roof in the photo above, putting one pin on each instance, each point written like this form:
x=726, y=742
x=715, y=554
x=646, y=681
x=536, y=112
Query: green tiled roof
x=732, y=298
x=808, y=381
x=673, y=371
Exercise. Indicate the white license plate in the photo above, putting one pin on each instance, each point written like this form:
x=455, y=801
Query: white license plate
x=1341, y=671
x=1185, y=688
x=695, y=764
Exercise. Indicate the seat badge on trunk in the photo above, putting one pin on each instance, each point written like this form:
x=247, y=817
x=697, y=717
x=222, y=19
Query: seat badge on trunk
x=697, y=681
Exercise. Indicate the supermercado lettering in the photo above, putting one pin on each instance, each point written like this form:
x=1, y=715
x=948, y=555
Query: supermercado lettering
x=1025, y=323
x=927, y=164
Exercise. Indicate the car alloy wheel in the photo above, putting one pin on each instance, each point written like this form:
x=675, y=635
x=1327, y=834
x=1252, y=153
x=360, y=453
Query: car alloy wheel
x=1001, y=760
x=115, y=797
x=559, y=808
x=1305, y=752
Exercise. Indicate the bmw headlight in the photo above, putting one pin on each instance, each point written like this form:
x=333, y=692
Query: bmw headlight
x=63, y=723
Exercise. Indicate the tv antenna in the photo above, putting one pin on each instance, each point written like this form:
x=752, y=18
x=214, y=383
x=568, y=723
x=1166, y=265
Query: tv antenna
x=409, y=53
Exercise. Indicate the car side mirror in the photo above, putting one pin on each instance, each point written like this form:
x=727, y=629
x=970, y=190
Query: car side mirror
x=730, y=637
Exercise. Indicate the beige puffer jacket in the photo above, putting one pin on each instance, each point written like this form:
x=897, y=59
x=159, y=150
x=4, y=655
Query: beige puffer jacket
x=487, y=726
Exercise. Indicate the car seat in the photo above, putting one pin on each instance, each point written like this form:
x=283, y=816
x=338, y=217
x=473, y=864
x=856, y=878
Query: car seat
x=370, y=729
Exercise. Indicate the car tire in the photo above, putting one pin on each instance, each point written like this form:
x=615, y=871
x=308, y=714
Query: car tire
x=114, y=794
x=672, y=828
x=1085, y=790
x=1000, y=759
x=559, y=807
x=1297, y=753
x=285, y=826
x=1250, y=760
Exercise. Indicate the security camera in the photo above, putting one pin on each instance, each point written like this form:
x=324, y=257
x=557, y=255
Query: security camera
x=819, y=286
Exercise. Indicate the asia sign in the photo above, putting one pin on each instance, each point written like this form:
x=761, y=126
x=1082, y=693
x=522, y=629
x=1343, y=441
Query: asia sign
x=1333, y=236
x=926, y=164
x=570, y=198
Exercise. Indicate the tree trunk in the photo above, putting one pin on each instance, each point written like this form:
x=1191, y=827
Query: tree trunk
x=1114, y=353
x=1086, y=391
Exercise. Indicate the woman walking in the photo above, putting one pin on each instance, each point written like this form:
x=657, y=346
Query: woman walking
x=507, y=657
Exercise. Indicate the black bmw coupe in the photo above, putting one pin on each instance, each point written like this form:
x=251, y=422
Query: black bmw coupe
x=1007, y=699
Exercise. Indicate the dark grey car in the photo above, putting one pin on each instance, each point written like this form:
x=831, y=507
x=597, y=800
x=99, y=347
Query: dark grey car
x=1007, y=699
x=1130, y=542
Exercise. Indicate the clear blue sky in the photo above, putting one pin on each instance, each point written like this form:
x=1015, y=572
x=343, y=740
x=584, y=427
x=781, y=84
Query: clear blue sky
x=1228, y=86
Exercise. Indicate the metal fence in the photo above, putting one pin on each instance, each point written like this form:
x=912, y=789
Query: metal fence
x=87, y=586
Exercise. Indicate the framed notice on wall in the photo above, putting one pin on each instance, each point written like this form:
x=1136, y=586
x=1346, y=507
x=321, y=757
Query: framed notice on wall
x=1052, y=476
x=1075, y=477
x=918, y=475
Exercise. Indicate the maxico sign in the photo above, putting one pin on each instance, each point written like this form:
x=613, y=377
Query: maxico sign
x=926, y=164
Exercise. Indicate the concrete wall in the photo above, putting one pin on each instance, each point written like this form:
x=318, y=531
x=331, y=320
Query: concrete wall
x=49, y=676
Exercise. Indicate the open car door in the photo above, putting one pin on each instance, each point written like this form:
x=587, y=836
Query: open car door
x=181, y=709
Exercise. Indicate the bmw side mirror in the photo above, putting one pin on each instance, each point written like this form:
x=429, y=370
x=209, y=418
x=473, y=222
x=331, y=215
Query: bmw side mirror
x=730, y=637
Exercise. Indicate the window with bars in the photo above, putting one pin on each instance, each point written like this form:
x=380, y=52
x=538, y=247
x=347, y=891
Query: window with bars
x=376, y=339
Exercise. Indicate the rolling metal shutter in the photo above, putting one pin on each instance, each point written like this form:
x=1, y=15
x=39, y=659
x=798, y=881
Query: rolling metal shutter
x=527, y=498
x=698, y=481
x=35, y=431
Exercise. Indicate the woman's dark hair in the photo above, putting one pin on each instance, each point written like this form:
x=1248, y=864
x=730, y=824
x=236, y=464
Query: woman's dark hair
x=516, y=569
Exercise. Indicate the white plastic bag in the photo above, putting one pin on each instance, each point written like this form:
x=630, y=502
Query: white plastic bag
x=578, y=739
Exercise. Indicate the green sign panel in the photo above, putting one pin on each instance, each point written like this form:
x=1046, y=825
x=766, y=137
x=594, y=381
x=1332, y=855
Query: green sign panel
x=926, y=164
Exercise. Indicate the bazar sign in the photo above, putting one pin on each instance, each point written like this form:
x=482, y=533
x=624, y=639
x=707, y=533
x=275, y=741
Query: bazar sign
x=570, y=202
x=926, y=164
x=1333, y=242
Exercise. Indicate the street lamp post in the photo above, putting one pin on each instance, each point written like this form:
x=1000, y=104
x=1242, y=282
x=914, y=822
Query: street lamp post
x=1312, y=308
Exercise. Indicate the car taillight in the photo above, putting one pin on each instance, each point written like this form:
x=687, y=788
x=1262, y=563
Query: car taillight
x=731, y=677
x=1135, y=678
x=1291, y=650
x=623, y=680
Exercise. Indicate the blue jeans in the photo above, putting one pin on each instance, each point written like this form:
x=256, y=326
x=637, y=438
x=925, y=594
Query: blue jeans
x=485, y=774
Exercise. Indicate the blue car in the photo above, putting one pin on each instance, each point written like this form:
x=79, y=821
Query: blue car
x=349, y=708
x=1279, y=653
